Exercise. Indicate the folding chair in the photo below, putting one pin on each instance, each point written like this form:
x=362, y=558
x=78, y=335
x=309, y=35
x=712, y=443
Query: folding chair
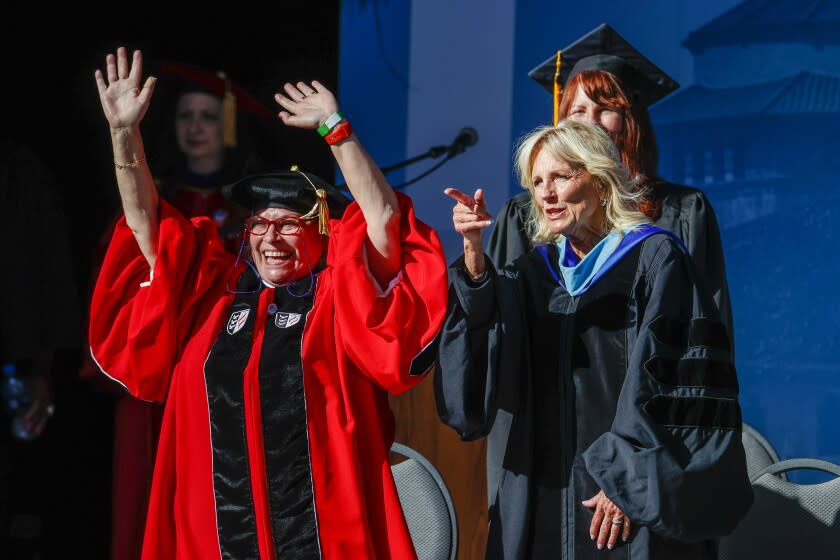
x=789, y=520
x=427, y=506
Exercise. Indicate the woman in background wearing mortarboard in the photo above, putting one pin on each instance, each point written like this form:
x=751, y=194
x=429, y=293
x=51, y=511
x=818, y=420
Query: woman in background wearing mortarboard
x=274, y=368
x=211, y=145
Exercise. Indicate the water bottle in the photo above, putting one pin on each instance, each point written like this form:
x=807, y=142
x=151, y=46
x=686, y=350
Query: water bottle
x=17, y=396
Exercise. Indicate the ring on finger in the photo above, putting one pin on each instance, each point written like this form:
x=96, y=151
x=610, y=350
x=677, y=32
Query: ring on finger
x=617, y=521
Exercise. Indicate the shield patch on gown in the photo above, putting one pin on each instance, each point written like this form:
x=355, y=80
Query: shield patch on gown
x=237, y=321
x=286, y=320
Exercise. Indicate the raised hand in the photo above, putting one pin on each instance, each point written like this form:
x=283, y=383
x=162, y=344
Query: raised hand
x=124, y=102
x=306, y=106
x=608, y=522
x=469, y=216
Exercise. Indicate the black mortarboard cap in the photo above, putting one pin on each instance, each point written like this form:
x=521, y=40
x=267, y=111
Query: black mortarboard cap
x=185, y=78
x=305, y=193
x=604, y=49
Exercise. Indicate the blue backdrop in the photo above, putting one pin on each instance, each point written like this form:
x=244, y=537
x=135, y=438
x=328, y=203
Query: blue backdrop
x=754, y=125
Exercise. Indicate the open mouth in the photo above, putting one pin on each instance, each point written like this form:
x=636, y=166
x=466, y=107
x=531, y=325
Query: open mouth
x=277, y=257
x=554, y=213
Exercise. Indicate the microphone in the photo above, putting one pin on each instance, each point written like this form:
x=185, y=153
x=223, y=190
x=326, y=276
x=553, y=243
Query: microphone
x=467, y=137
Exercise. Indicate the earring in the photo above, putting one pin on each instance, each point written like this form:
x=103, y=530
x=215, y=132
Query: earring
x=603, y=203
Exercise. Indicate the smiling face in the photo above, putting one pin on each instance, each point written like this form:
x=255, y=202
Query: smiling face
x=283, y=258
x=569, y=199
x=583, y=109
x=198, y=130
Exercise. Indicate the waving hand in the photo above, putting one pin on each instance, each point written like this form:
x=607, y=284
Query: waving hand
x=124, y=102
x=306, y=106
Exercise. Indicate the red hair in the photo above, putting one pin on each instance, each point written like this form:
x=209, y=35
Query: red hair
x=636, y=143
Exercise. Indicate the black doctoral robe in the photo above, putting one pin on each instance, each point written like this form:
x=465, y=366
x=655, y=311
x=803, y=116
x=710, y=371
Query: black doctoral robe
x=628, y=387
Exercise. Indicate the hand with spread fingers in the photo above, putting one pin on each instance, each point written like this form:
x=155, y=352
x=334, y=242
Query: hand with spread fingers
x=309, y=106
x=608, y=522
x=306, y=106
x=470, y=217
x=124, y=102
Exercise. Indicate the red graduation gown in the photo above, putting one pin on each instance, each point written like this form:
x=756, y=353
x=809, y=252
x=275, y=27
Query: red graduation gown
x=357, y=343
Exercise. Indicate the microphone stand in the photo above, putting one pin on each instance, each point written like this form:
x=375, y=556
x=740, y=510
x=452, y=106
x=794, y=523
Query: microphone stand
x=433, y=152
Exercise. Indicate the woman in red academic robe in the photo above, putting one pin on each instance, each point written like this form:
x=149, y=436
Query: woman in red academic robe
x=274, y=368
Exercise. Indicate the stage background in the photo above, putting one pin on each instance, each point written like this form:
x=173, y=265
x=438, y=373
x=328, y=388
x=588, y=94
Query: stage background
x=754, y=124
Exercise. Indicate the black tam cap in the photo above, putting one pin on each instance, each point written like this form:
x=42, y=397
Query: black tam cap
x=294, y=190
x=604, y=49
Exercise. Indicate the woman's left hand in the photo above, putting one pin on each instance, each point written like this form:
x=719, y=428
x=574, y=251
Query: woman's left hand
x=306, y=106
x=608, y=522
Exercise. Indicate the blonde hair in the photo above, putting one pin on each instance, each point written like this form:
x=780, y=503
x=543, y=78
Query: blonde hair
x=584, y=147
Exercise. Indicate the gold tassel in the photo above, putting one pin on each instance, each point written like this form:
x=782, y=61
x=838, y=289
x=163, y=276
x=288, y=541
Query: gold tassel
x=321, y=208
x=558, y=89
x=323, y=212
x=228, y=114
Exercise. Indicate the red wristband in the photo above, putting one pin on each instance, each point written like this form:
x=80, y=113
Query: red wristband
x=339, y=133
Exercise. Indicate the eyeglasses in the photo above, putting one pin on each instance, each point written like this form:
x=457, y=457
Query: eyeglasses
x=284, y=226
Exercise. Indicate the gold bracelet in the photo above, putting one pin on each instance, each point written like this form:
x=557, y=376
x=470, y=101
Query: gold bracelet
x=130, y=165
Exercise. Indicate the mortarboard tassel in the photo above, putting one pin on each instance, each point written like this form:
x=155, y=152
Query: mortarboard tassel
x=558, y=89
x=323, y=212
x=321, y=208
x=228, y=114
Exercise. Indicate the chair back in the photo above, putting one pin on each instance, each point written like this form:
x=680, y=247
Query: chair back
x=427, y=506
x=789, y=520
x=760, y=454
